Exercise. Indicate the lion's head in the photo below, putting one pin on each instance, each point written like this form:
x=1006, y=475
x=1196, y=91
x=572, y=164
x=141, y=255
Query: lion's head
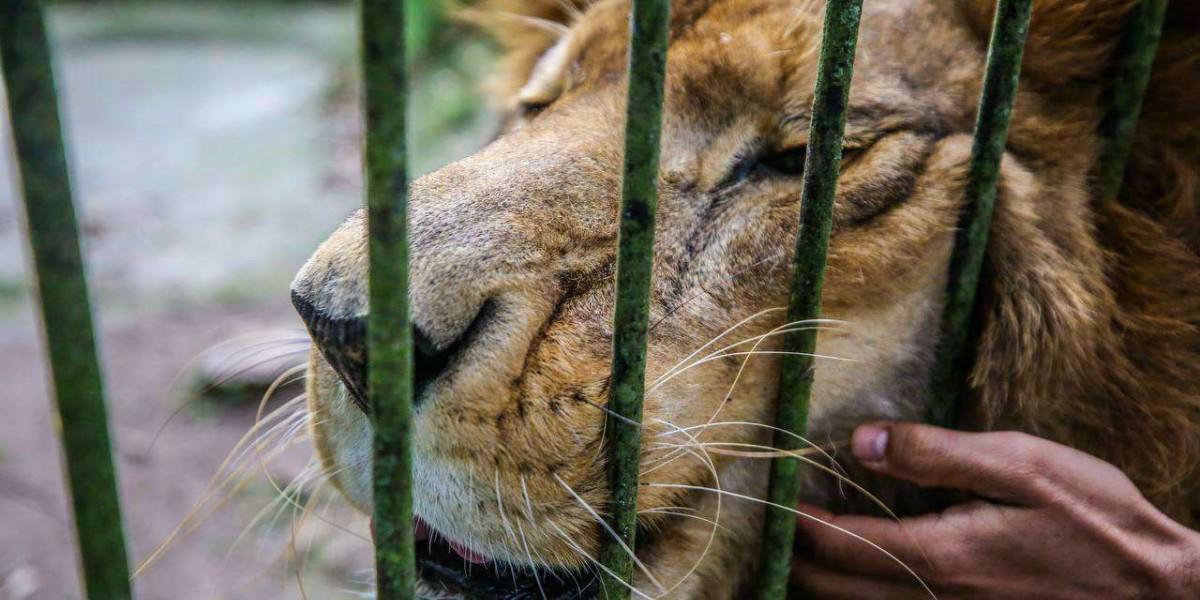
x=1089, y=313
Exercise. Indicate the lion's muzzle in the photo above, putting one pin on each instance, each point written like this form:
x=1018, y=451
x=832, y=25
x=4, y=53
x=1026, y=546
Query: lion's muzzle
x=342, y=341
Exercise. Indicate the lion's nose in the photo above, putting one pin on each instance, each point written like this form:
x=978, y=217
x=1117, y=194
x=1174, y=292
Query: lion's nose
x=343, y=343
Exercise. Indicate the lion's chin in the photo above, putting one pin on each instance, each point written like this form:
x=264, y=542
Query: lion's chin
x=446, y=574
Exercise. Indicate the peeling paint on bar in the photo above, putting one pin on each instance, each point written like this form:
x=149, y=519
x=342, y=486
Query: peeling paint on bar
x=953, y=361
x=389, y=334
x=821, y=168
x=649, y=24
x=63, y=292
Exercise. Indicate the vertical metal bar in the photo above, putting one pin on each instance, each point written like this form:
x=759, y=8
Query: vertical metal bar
x=62, y=289
x=1131, y=74
x=1007, y=46
x=821, y=168
x=649, y=25
x=389, y=335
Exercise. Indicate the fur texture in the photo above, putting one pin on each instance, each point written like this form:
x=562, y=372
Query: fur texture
x=1090, y=313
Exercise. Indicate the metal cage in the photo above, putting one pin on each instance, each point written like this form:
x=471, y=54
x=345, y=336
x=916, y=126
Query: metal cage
x=66, y=314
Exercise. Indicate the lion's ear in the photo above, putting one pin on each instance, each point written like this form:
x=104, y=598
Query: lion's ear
x=1068, y=39
x=524, y=30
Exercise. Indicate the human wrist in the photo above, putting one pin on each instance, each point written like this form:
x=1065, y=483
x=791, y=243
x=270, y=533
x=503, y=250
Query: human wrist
x=1178, y=573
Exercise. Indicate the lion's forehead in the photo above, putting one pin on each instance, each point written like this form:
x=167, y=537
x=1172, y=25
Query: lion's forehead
x=718, y=50
x=730, y=59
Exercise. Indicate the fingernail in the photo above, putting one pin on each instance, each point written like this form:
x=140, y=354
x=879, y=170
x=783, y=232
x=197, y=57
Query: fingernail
x=870, y=443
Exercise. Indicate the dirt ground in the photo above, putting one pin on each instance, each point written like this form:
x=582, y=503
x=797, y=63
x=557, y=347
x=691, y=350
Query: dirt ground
x=212, y=146
x=160, y=481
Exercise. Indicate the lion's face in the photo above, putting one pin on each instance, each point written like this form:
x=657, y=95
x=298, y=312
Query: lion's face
x=512, y=279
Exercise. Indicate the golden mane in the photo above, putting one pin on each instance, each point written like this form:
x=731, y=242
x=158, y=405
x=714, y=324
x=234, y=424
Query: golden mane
x=1116, y=372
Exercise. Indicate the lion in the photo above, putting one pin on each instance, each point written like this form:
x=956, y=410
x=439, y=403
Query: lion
x=1089, y=316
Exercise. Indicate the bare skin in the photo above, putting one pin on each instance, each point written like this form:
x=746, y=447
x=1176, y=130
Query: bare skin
x=1048, y=522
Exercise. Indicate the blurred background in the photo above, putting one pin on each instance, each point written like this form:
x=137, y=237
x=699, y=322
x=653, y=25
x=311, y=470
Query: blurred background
x=213, y=145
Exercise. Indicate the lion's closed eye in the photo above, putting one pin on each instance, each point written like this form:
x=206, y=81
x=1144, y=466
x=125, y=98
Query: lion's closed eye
x=789, y=161
x=531, y=109
x=877, y=178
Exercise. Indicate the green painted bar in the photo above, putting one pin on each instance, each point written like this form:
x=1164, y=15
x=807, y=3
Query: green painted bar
x=821, y=168
x=953, y=361
x=1130, y=76
x=649, y=25
x=389, y=334
x=62, y=289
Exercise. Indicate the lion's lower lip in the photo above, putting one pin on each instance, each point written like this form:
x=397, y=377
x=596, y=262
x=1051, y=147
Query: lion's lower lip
x=444, y=569
x=421, y=529
x=468, y=554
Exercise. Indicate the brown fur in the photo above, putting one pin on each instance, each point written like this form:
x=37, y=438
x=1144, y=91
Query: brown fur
x=1090, y=314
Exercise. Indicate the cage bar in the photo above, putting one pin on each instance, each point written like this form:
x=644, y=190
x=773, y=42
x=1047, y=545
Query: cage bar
x=648, y=27
x=1133, y=62
x=822, y=165
x=389, y=333
x=53, y=232
x=1009, y=30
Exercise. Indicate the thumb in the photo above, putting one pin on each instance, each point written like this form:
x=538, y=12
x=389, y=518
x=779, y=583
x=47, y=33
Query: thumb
x=998, y=465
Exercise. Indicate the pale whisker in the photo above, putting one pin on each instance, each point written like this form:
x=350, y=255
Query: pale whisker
x=772, y=452
x=674, y=513
x=609, y=529
x=800, y=513
x=718, y=337
x=571, y=543
x=712, y=534
x=525, y=541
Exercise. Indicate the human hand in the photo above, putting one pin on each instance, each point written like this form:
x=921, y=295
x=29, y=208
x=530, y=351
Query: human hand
x=1050, y=522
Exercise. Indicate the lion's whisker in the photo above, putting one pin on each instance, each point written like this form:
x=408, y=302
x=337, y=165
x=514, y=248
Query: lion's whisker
x=717, y=448
x=712, y=534
x=805, y=515
x=282, y=500
x=525, y=541
x=244, y=368
x=288, y=376
x=193, y=397
x=718, y=337
x=321, y=477
x=603, y=523
x=213, y=348
x=294, y=555
x=771, y=452
x=263, y=439
x=805, y=325
x=665, y=511
x=529, y=516
x=791, y=434
x=742, y=368
x=756, y=352
x=574, y=546
x=500, y=507
x=622, y=418
x=251, y=446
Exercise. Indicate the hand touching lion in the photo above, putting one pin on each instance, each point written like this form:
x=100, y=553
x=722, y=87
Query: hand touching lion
x=1049, y=522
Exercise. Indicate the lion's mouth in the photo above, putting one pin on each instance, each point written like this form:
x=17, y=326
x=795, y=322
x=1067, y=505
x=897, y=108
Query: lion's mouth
x=449, y=570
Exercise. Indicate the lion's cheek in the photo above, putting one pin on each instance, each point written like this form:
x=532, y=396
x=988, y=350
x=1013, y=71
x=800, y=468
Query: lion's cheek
x=877, y=361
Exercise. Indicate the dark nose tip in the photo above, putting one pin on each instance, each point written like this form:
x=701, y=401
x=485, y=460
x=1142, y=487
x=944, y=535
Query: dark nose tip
x=343, y=343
